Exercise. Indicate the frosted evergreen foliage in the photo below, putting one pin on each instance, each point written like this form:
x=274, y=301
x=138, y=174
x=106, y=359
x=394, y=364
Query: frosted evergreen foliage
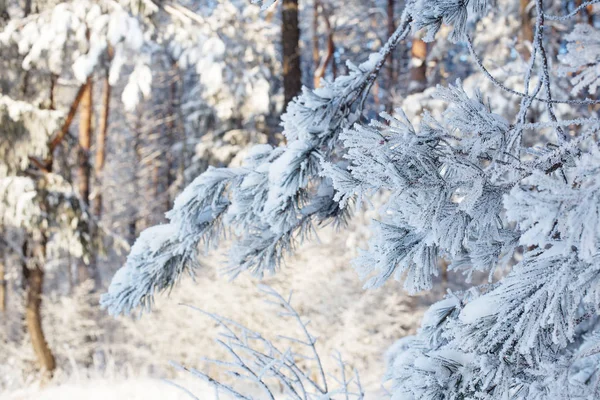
x=583, y=58
x=445, y=199
x=43, y=207
x=25, y=133
x=230, y=48
x=432, y=14
x=273, y=199
x=73, y=37
x=465, y=187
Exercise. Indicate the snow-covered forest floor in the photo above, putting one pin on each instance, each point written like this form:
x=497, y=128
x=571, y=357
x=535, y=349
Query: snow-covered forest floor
x=132, y=355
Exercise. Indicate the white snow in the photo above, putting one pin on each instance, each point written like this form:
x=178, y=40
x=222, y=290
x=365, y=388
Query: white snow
x=481, y=307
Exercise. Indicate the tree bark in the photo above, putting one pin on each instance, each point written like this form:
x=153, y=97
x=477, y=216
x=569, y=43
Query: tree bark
x=328, y=58
x=84, y=168
x=315, y=41
x=33, y=275
x=27, y=8
x=53, y=79
x=4, y=11
x=526, y=27
x=33, y=319
x=590, y=14
x=137, y=147
x=3, y=285
x=391, y=67
x=172, y=128
x=290, y=38
x=418, y=69
x=85, y=140
x=101, y=145
x=55, y=141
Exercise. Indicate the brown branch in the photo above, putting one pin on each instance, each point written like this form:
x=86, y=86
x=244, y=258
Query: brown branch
x=59, y=136
x=41, y=165
x=320, y=71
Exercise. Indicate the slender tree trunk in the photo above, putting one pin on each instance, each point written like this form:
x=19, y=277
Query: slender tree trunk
x=53, y=79
x=444, y=268
x=526, y=27
x=101, y=144
x=4, y=11
x=290, y=38
x=85, y=141
x=418, y=69
x=171, y=131
x=59, y=136
x=33, y=319
x=315, y=42
x=586, y=16
x=84, y=168
x=391, y=67
x=99, y=167
x=329, y=56
x=27, y=8
x=133, y=221
x=3, y=285
x=34, y=285
x=590, y=14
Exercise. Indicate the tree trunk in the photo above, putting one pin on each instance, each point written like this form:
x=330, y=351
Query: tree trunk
x=59, y=136
x=33, y=319
x=172, y=128
x=4, y=11
x=84, y=169
x=85, y=140
x=33, y=279
x=328, y=58
x=137, y=146
x=315, y=42
x=53, y=79
x=590, y=14
x=526, y=27
x=27, y=8
x=101, y=145
x=3, y=285
x=391, y=67
x=290, y=38
x=418, y=69
x=586, y=16
x=99, y=169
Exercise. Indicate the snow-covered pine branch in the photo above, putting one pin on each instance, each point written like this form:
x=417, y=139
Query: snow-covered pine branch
x=444, y=199
x=270, y=201
x=466, y=186
x=582, y=59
